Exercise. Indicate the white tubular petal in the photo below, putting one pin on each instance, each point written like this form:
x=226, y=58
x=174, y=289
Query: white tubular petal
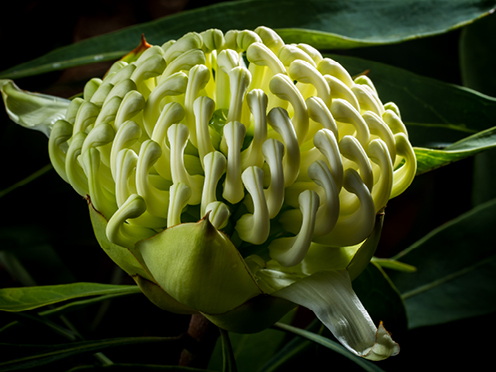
x=340, y=90
x=393, y=107
x=328, y=212
x=124, y=167
x=378, y=153
x=100, y=197
x=283, y=87
x=312, y=52
x=61, y=132
x=355, y=227
x=261, y=55
x=330, y=296
x=239, y=80
x=365, y=80
x=178, y=137
x=353, y=150
x=132, y=103
x=124, y=73
x=184, y=62
x=127, y=135
x=318, y=111
x=151, y=67
x=378, y=127
x=109, y=111
x=343, y=111
x=172, y=113
x=215, y=166
x=199, y=76
x=245, y=38
x=218, y=214
x=366, y=99
x=86, y=115
x=213, y=39
x=273, y=152
x=393, y=120
x=179, y=194
x=91, y=87
x=72, y=110
x=279, y=120
x=73, y=169
x=291, y=251
x=189, y=41
x=125, y=234
x=203, y=108
x=305, y=72
x=403, y=177
x=99, y=96
x=270, y=38
x=172, y=86
x=290, y=52
x=119, y=90
x=234, y=134
x=254, y=228
x=326, y=142
x=329, y=67
x=157, y=201
x=257, y=103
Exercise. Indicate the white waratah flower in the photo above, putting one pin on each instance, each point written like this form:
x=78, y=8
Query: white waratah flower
x=236, y=176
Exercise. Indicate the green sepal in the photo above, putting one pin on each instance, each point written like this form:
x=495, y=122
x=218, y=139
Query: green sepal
x=160, y=298
x=199, y=267
x=123, y=257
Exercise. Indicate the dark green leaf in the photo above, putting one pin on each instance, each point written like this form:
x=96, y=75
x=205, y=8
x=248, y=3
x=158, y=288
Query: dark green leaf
x=28, y=298
x=39, y=355
x=229, y=362
x=324, y=24
x=456, y=270
x=137, y=367
x=334, y=346
x=477, y=60
x=429, y=159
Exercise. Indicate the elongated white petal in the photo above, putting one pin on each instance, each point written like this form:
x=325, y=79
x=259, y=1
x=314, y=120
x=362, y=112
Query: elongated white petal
x=180, y=193
x=273, y=152
x=290, y=251
x=254, y=228
x=215, y=167
x=234, y=133
x=404, y=175
x=330, y=296
x=279, y=120
x=61, y=132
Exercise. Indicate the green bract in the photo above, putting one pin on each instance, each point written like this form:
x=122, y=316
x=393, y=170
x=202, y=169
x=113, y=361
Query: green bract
x=236, y=176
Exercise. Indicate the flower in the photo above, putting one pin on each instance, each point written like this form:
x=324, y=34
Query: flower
x=236, y=176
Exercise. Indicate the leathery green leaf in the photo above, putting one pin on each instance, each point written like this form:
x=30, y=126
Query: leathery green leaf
x=338, y=24
x=28, y=298
x=463, y=286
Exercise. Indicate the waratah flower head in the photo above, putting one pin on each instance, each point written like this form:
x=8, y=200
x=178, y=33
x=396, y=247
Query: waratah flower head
x=223, y=168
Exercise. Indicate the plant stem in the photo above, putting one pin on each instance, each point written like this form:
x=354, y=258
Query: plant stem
x=203, y=336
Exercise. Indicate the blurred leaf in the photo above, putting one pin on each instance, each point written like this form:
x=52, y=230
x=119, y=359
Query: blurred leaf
x=437, y=114
x=39, y=355
x=137, y=367
x=28, y=298
x=429, y=159
x=477, y=59
x=381, y=298
x=456, y=270
x=325, y=24
x=335, y=346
